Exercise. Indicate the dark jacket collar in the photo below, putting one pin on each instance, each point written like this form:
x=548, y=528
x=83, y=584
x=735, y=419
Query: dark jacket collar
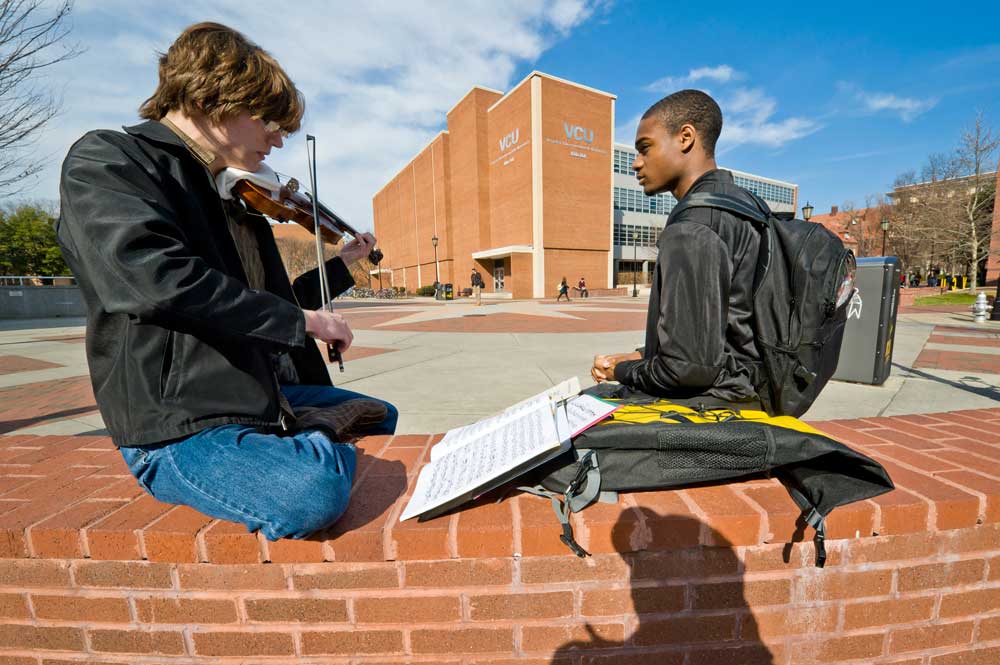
x=713, y=176
x=153, y=130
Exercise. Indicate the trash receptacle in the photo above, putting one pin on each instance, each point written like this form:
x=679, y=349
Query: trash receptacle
x=438, y=291
x=866, y=353
x=449, y=292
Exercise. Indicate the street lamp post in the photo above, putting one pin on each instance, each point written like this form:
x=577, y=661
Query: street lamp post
x=885, y=230
x=807, y=211
x=635, y=263
x=437, y=274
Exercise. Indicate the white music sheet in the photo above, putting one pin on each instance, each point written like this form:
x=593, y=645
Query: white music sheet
x=532, y=434
x=460, y=436
x=583, y=411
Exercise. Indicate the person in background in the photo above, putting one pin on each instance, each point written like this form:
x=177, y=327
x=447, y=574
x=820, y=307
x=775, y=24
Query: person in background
x=477, y=286
x=582, y=288
x=563, y=290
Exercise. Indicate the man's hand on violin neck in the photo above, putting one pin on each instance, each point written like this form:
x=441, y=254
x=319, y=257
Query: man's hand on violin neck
x=358, y=248
x=329, y=327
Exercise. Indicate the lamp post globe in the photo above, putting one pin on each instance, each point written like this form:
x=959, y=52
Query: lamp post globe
x=807, y=211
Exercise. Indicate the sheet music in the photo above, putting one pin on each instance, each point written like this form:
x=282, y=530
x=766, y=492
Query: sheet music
x=583, y=411
x=460, y=436
x=475, y=466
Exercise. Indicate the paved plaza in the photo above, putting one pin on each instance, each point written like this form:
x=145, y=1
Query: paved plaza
x=446, y=364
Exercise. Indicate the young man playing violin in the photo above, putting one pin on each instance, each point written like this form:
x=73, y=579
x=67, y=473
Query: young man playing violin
x=201, y=352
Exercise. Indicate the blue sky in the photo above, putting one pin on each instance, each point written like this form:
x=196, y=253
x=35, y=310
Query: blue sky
x=838, y=99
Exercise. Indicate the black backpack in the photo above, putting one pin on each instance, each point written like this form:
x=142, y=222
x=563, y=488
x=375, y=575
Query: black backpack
x=804, y=280
x=655, y=443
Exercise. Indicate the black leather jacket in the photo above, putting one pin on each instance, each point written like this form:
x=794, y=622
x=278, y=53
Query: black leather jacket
x=699, y=334
x=176, y=340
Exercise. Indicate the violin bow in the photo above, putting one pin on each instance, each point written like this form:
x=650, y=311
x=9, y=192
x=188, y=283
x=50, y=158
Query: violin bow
x=324, y=288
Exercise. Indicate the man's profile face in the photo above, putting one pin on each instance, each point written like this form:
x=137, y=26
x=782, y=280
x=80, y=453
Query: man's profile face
x=659, y=164
x=243, y=142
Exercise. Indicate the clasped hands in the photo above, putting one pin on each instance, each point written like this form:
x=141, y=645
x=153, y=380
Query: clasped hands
x=604, y=366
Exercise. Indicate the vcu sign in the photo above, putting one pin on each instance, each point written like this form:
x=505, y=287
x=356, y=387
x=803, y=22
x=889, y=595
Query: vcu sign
x=577, y=133
x=510, y=139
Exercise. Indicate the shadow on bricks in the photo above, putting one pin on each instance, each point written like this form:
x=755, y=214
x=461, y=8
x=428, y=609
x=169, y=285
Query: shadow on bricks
x=378, y=484
x=20, y=423
x=966, y=383
x=680, y=599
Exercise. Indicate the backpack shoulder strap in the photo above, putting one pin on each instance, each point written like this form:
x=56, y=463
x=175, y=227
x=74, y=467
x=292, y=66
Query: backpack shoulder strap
x=730, y=204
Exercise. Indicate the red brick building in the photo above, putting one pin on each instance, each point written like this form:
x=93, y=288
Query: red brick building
x=519, y=186
x=993, y=260
x=860, y=230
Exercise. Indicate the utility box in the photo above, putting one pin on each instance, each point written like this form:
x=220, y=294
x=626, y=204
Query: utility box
x=866, y=353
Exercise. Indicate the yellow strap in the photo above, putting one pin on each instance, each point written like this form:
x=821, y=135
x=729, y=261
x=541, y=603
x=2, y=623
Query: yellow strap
x=641, y=414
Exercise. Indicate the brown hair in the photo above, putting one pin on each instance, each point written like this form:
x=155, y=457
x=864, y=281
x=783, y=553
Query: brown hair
x=214, y=70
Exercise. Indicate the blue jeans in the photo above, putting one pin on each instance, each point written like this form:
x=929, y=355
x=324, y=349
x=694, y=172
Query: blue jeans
x=285, y=486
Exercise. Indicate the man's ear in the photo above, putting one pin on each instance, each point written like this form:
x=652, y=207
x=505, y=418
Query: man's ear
x=688, y=137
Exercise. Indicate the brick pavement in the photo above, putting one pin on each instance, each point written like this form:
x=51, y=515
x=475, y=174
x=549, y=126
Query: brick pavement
x=961, y=361
x=31, y=404
x=14, y=364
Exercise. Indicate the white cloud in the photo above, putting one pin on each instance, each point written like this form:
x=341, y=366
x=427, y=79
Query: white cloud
x=720, y=74
x=748, y=113
x=748, y=119
x=378, y=77
x=907, y=108
x=625, y=132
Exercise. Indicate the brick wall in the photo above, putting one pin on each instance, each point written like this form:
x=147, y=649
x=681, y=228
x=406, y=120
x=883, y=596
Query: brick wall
x=993, y=257
x=577, y=179
x=94, y=571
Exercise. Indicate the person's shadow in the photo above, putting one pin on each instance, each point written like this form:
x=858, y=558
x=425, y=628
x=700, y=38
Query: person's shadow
x=687, y=602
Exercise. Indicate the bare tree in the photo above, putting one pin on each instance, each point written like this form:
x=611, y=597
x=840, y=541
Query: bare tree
x=905, y=179
x=940, y=166
x=299, y=255
x=869, y=223
x=975, y=153
x=32, y=38
x=944, y=220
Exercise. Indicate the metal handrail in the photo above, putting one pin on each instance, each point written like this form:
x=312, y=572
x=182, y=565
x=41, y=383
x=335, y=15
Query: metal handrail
x=32, y=280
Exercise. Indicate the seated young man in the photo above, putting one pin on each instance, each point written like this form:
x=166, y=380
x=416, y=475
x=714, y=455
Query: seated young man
x=699, y=339
x=201, y=352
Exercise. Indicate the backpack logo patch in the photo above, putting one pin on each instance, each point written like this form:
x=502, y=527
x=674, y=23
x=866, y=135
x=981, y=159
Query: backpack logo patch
x=854, y=307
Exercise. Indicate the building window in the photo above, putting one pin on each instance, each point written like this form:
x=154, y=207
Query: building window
x=635, y=200
x=645, y=236
x=623, y=161
x=768, y=191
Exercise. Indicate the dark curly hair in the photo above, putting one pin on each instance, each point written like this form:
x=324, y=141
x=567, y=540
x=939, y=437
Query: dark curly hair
x=692, y=107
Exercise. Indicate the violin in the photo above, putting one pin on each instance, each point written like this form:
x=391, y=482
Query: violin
x=288, y=204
